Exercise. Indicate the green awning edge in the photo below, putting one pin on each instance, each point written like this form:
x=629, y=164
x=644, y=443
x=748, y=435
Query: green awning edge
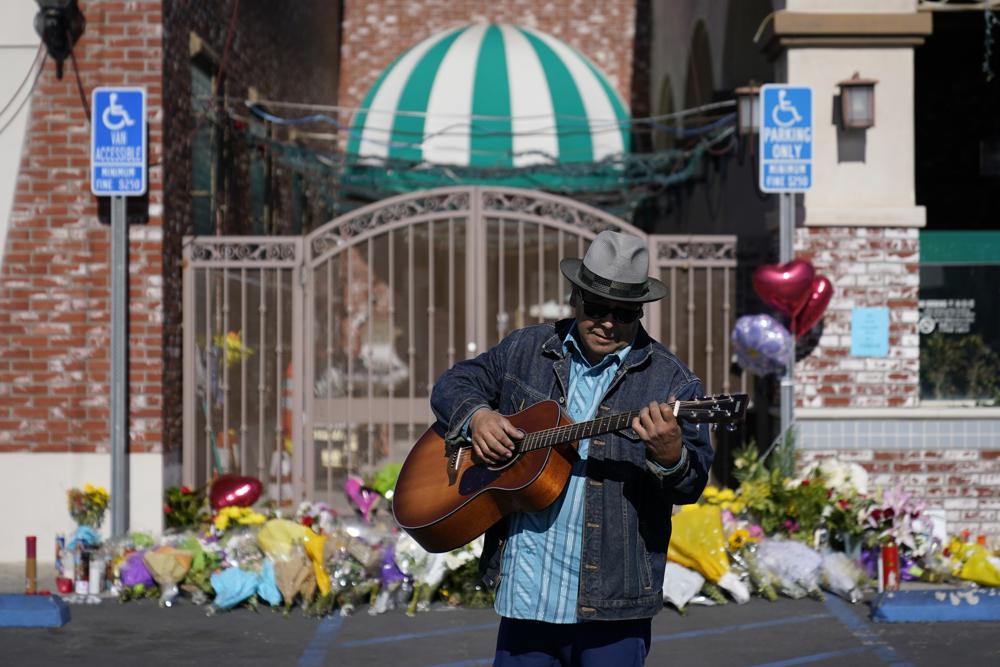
x=953, y=247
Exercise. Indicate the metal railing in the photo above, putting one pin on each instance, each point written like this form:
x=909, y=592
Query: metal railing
x=307, y=359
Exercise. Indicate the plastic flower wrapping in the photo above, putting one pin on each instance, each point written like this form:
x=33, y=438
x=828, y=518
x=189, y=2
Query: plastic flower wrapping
x=820, y=527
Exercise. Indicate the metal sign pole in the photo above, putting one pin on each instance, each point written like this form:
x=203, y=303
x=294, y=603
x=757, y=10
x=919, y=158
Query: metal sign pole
x=119, y=367
x=786, y=139
x=786, y=252
x=118, y=166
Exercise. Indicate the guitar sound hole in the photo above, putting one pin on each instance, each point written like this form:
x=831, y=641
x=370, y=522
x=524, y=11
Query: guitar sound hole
x=502, y=466
x=508, y=463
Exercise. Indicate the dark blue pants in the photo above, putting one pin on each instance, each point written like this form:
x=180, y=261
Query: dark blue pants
x=590, y=644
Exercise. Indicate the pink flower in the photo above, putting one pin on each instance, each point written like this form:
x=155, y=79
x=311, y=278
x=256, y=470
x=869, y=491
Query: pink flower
x=756, y=531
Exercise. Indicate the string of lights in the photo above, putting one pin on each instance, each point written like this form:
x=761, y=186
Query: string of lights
x=326, y=109
x=617, y=183
x=582, y=127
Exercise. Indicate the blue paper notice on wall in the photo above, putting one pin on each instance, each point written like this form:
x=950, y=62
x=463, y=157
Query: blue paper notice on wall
x=869, y=332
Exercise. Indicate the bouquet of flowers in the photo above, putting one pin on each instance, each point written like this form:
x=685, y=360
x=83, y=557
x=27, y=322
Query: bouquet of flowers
x=895, y=517
x=241, y=516
x=87, y=507
x=319, y=516
x=182, y=507
x=847, y=501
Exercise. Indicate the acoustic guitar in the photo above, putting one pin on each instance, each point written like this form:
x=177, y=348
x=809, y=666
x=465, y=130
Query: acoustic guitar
x=444, y=499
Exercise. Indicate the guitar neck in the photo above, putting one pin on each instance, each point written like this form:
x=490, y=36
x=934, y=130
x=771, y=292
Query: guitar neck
x=561, y=434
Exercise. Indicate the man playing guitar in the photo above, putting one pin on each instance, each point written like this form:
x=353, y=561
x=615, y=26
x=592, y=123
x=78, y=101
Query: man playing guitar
x=578, y=582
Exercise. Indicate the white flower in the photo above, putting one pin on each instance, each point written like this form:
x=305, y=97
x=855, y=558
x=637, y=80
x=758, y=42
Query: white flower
x=842, y=478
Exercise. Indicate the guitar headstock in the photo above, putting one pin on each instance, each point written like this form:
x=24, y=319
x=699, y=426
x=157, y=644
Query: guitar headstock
x=718, y=409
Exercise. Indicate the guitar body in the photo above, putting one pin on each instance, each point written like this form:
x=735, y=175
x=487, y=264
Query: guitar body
x=445, y=500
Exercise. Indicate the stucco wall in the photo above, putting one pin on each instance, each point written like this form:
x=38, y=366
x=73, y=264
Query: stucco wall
x=19, y=45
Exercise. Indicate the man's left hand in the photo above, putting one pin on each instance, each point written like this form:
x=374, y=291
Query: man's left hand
x=658, y=428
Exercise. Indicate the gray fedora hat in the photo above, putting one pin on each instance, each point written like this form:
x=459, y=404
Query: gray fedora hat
x=615, y=267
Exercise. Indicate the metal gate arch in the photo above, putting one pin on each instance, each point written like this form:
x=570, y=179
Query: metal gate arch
x=311, y=358
x=475, y=233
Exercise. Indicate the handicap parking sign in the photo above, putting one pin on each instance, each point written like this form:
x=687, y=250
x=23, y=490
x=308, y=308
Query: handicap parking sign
x=118, y=142
x=785, y=138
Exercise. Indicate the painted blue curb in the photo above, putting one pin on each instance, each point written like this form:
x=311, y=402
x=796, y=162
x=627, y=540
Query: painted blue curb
x=33, y=611
x=979, y=604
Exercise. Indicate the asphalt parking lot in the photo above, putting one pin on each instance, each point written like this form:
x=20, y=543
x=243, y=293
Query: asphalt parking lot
x=785, y=632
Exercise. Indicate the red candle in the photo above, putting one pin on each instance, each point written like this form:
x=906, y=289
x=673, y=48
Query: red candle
x=30, y=565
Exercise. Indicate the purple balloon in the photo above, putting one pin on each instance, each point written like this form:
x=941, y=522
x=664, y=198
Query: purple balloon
x=134, y=571
x=763, y=345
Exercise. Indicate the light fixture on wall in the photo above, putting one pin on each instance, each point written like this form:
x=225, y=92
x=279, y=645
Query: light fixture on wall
x=59, y=23
x=857, y=103
x=748, y=108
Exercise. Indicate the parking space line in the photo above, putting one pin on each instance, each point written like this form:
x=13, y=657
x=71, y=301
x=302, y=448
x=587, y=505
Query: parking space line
x=417, y=635
x=815, y=657
x=736, y=628
x=326, y=631
x=864, y=632
x=660, y=638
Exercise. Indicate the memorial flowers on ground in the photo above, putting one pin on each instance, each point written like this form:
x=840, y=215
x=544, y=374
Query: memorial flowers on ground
x=87, y=507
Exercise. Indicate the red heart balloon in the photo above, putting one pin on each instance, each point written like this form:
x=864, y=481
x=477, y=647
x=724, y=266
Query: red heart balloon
x=234, y=491
x=814, y=307
x=784, y=286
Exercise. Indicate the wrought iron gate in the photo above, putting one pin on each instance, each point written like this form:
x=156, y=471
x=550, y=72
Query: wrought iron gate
x=342, y=333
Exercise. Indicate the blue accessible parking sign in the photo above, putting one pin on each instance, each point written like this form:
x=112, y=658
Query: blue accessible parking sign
x=118, y=142
x=785, y=138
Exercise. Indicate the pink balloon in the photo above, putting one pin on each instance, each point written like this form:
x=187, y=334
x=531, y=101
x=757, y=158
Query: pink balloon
x=362, y=497
x=234, y=491
x=784, y=287
x=812, y=310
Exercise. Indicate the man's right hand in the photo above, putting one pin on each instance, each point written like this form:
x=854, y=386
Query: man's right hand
x=493, y=436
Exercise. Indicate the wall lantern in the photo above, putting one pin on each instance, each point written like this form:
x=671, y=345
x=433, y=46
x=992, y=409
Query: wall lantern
x=59, y=23
x=857, y=103
x=748, y=108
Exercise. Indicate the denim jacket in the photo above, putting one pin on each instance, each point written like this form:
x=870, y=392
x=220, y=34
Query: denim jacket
x=627, y=505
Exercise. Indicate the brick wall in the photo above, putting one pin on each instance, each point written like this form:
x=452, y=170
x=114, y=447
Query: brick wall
x=868, y=267
x=963, y=482
x=374, y=33
x=55, y=282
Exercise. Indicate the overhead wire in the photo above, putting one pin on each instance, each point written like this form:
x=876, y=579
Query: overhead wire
x=39, y=54
x=308, y=106
x=27, y=97
x=79, y=86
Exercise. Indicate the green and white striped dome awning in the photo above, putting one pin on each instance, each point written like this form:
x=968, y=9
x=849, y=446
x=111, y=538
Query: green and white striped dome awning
x=490, y=95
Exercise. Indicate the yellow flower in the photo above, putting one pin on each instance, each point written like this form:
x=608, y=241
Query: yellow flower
x=250, y=518
x=222, y=521
x=88, y=488
x=726, y=494
x=710, y=492
x=738, y=538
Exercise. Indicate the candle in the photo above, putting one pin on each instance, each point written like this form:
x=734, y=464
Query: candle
x=30, y=565
x=96, y=581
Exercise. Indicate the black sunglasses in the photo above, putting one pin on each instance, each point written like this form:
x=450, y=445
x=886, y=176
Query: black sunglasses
x=599, y=311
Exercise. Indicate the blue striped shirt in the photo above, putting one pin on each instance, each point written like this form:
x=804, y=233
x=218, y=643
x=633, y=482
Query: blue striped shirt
x=541, y=562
